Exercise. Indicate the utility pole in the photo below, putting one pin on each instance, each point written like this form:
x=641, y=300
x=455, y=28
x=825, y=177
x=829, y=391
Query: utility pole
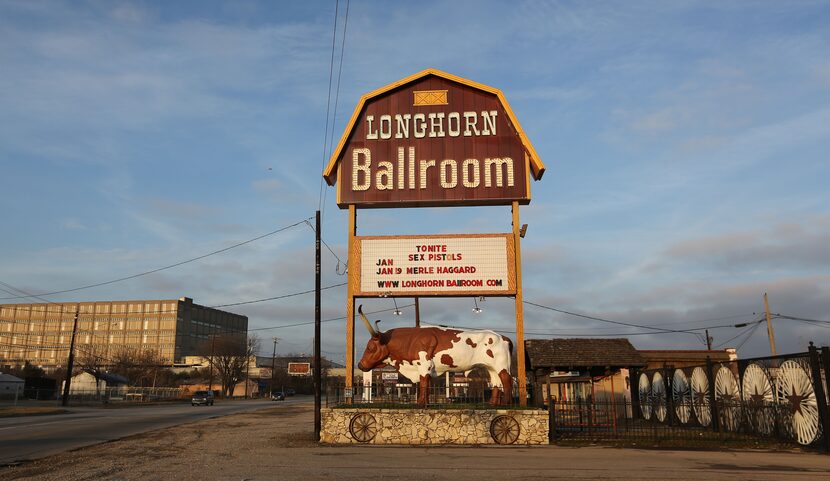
x=317, y=360
x=273, y=365
x=210, y=361
x=247, y=365
x=71, y=363
x=708, y=341
x=770, y=332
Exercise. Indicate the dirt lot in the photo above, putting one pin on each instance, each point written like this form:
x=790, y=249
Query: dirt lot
x=277, y=443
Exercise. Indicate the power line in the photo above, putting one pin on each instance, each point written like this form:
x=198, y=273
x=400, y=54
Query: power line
x=339, y=261
x=328, y=103
x=781, y=316
x=120, y=279
x=741, y=333
x=620, y=323
x=337, y=92
x=751, y=332
x=278, y=297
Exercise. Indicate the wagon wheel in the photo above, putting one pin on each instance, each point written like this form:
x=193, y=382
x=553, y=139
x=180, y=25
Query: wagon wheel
x=363, y=427
x=645, y=396
x=700, y=396
x=658, y=397
x=681, y=395
x=727, y=396
x=504, y=430
x=794, y=390
x=758, y=397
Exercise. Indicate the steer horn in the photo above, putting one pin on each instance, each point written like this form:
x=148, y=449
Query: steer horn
x=366, y=321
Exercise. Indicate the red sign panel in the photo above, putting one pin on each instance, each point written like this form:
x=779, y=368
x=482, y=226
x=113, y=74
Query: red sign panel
x=433, y=141
x=299, y=368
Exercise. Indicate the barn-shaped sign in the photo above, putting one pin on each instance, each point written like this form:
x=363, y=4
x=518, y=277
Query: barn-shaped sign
x=433, y=139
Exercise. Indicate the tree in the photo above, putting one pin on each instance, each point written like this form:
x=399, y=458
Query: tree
x=140, y=366
x=91, y=359
x=228, y=360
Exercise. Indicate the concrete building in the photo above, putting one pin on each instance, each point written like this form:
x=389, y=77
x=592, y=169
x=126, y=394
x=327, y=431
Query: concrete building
x=677, y=358
x=85, y=383
x=11, y=387
x=41, y=333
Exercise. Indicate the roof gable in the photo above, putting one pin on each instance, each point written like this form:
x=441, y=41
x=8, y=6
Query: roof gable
x=537, y=167
x=566, y=354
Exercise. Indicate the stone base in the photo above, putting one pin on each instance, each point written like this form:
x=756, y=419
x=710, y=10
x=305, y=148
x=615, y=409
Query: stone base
x=431, y=426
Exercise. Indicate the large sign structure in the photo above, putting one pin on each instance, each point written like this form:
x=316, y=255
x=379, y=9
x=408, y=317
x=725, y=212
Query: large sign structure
x=434, y=139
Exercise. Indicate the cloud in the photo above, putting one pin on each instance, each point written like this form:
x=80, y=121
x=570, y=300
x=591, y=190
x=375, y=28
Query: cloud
x=794, y=245
x=73, y=224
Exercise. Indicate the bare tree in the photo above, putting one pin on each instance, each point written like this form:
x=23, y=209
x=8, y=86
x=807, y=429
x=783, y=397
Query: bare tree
x=140, y=366
x=229, y=358
x=91, y=358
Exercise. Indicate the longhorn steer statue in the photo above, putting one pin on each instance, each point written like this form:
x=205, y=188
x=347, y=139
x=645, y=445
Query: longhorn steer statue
x=420, y=353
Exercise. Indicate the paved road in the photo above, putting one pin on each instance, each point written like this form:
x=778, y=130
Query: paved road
x=32, y=437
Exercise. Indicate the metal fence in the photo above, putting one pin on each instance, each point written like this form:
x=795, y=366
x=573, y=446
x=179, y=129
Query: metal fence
x=380, y=395
x=127, y=394
x=780, y=398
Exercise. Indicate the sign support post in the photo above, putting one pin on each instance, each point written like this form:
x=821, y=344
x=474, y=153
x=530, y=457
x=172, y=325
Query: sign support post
x=520, y=325
x=350, y=306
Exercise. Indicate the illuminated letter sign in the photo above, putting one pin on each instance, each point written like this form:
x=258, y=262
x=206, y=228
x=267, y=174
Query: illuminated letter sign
x=433, y=139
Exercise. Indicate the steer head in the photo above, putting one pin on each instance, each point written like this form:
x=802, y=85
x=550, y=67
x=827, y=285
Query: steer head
x=376, y=349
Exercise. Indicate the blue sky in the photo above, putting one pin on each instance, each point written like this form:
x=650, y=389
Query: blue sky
x=686, y=146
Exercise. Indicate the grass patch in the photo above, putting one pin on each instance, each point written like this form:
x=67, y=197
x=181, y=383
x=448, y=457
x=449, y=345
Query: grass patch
x=14, y=411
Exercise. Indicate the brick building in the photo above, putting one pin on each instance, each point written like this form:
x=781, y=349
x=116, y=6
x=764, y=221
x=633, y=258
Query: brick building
x=41, y=333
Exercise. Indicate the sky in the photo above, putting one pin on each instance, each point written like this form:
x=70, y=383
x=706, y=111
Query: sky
x=686, y=146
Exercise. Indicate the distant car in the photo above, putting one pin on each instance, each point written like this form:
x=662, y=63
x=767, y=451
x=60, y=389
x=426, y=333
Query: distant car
x=202, y=397
x=290, y=391
x=278, y=396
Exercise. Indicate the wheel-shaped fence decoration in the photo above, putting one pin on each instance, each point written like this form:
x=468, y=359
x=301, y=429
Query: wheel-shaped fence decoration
x=363, y=427
x=758, y=399
x=645, y=396
x=504, y=430
x=794, y=391
x=658, y=396
x=700, y=396
x=728, y=398
x=681, y=396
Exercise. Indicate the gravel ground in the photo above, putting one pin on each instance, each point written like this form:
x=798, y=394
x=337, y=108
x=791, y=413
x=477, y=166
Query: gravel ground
x=209, y=449
x=277, y=443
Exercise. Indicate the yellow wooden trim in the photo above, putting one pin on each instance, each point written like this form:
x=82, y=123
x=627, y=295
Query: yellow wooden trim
x=350, y=303
x=520, y=324
x=338, y=185
x=536, y=162
x=423, y=98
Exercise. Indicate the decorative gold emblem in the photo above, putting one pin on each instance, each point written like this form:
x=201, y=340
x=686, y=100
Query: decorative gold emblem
x=430, y=97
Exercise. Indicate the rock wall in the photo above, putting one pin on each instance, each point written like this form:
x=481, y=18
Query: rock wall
x=432, y=426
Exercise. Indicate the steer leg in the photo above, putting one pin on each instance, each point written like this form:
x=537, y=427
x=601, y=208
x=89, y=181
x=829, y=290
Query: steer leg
x=423, y=391
x=495, y=396
x=506, y=386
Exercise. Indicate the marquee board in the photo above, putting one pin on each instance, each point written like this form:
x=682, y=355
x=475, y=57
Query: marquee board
x=299, y=368
x=434, y=265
